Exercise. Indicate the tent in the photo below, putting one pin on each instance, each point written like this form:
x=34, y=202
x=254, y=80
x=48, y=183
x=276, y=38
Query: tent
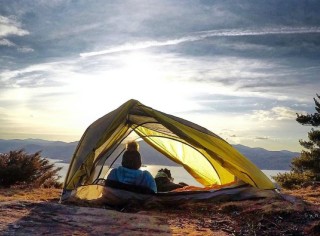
x=207, y=157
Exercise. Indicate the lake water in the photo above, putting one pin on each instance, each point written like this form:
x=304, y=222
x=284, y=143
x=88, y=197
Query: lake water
x=178, y=173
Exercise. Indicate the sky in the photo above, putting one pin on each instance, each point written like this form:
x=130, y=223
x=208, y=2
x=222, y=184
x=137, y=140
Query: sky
x=242, y=69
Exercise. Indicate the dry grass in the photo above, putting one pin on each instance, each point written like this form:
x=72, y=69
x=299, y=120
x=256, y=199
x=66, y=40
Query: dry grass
x=35, y=194
x=310, y=194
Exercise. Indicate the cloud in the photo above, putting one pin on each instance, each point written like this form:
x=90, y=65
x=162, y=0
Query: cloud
x=276, y=113
x=37, y=75
x=9, y=26
x=196, y=36
x=6, y=42
x=262, y=138
x=131, y=47
x=25, y=49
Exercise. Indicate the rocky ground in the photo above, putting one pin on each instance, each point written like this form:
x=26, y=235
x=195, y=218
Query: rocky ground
x=38, y=212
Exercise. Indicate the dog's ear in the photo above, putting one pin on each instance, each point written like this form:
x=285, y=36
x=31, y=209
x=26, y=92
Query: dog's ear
x=168, y=172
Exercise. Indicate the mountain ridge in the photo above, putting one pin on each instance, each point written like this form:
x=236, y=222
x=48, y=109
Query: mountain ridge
x=63, y=151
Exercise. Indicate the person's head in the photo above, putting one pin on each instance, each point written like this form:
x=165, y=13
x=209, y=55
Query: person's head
x=131, y=158
x=132, y=146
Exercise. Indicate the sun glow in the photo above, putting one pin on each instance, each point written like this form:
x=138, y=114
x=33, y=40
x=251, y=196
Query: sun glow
x=136, y=75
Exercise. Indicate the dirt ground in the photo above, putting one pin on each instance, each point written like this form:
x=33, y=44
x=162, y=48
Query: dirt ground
x=38, y=212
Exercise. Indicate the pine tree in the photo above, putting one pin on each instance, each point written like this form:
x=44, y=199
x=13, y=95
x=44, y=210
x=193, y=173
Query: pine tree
x=306, y=167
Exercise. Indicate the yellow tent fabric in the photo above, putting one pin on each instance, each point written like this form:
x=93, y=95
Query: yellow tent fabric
x=206, y=156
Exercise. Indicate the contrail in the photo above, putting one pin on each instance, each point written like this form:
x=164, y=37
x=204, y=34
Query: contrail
x=196, y=36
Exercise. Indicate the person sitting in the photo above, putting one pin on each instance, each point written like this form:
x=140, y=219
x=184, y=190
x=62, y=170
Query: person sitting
x=129, y=173
x=165, y=182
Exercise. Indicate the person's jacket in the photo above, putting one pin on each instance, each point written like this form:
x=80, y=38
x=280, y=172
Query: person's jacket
x=133, y=177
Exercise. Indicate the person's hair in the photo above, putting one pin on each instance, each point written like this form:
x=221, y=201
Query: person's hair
x=131, y=158
x=132, y=146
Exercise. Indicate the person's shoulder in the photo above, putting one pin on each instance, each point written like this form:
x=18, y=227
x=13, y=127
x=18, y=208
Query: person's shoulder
x=113, y=170
x=112, y=174
x=147, y=173
x=129, y=170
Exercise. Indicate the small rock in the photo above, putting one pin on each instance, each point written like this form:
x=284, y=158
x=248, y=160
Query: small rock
x=16, y=226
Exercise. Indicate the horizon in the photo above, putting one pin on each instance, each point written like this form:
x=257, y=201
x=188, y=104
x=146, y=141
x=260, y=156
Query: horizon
x=243, y=70
x=37, y=139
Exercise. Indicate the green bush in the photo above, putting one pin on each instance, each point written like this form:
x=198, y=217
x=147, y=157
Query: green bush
x=291, y=180
x=20, y=168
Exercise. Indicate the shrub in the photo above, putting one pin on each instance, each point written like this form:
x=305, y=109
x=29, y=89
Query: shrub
x=20, y=168
x=291, y=180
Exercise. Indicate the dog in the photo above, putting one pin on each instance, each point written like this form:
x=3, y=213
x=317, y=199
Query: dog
x=165, y=182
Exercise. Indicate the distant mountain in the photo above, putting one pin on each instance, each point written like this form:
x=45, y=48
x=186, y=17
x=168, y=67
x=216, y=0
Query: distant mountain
x=264, y=159
x=50, y=149
x=268, y=160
